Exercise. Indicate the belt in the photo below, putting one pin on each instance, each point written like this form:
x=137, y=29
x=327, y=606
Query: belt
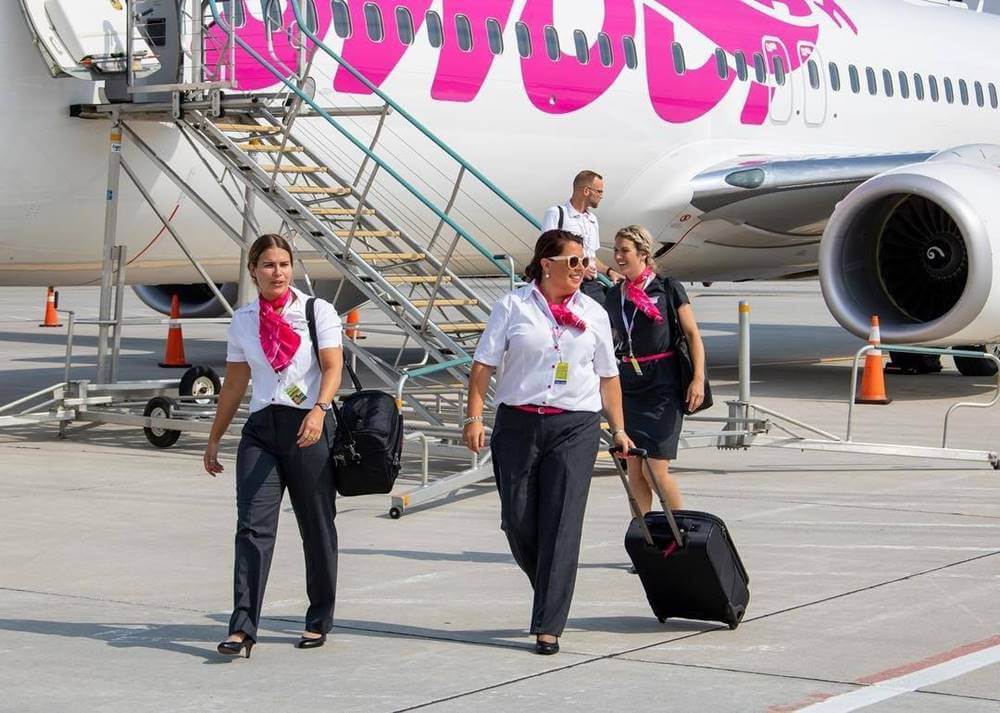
x=540, y=410
x=650, y=357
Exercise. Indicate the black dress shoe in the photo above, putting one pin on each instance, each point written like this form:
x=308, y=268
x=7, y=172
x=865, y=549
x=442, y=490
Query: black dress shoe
x=546, y=648
x=235, y=648
x=311, y=643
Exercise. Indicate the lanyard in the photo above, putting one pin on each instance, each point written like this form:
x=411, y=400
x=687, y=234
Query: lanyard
x=556, y=331
x=630, y=325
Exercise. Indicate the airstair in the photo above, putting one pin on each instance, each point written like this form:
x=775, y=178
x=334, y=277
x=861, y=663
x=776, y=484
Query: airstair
x=403, y=219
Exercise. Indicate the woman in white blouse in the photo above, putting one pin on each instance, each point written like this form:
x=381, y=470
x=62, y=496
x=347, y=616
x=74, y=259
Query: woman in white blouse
x=285, y=442
x=557, y=370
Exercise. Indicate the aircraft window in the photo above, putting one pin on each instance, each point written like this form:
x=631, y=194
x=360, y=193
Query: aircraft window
x=980, y=97
x=404, y=25
x=918, y=86
x=904, y=85
x=604, y=47
x=235, y=15
x=933, y=86
x=741, y=66
x=852, y=71
x=341, y=19
x=373, y=22
x=272, y=15
x=834, y=77
x=631, y=56
x=813, y=74
x=552, y=43
x=582, y=46
x=760, y=71
x=523, y=40
x=463, y=32
x=872, y=84
x=887, y=82
x=494, y=33
x=949, y=90
x=993, y=95
x=312, y=21
x=963, y=92
x=721, y=63
x=678, y=53
x=779, y=70
x=435, y=29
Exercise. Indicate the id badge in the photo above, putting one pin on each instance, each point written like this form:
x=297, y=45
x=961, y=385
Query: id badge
x=296, y=393
x=635, y=366
x=562, y=373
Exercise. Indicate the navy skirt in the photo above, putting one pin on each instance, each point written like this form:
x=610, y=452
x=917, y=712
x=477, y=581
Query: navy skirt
x=654, y=406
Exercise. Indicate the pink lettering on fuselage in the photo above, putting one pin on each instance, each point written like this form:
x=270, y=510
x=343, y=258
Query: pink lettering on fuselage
x=461, y=72
x=375, y=60
x=772, y=29
x=279, y=48
x=566, y=85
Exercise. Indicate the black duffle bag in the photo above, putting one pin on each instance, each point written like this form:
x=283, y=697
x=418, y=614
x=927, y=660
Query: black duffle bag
x=368, y=442
x=682, y=352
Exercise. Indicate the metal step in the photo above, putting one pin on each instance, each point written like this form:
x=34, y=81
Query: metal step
x=441, y=303
x=292, y=169
x=456, y=327
x=249, y=128
x=367, y=233
x=319, y=190
x=268, y=148
x=344, y=212
x=377, y=257
x=414, y=279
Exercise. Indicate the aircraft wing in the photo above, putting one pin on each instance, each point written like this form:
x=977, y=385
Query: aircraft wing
x=789, y=196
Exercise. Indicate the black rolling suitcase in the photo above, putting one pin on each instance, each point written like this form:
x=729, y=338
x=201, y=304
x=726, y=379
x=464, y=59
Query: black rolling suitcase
x=686, y=560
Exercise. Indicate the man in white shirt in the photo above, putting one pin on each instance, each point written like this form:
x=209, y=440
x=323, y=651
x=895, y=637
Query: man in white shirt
x=577, y=216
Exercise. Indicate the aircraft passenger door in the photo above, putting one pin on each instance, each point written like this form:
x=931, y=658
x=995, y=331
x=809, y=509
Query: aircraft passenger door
x=813, y=84
x=780, y=79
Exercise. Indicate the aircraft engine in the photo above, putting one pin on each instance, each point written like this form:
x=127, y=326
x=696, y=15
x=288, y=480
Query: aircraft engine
x=919, y=246
x=196, y=300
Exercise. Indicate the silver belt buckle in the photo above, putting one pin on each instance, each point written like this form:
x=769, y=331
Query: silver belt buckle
x=541, y=410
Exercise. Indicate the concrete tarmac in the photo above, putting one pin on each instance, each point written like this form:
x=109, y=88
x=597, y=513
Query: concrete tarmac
x=874, y=580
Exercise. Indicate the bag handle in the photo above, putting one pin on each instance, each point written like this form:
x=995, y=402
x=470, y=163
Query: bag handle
x=311, y=319
x=640, y=453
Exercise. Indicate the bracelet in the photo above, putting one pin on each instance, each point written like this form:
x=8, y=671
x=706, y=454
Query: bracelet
x=617, y=431
x=472, y=419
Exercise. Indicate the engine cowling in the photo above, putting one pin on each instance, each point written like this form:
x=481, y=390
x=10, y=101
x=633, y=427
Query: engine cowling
x=919, y=247
x=195, y=300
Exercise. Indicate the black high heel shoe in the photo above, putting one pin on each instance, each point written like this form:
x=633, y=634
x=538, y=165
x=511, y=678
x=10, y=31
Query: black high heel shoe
x=307, y=642
x=235, y=648
x=546, y=648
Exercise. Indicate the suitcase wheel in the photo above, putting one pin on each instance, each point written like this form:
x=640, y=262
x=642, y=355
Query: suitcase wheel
x=662, y=619
x=735, y=616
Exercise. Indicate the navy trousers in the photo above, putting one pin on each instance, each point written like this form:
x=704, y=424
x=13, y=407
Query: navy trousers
x=543, y=465
x=268, y=461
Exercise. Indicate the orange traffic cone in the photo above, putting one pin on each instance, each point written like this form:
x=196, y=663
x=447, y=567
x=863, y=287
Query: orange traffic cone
x=51, y=316
x=353, y=317
x=173, y=356
x=873, y=377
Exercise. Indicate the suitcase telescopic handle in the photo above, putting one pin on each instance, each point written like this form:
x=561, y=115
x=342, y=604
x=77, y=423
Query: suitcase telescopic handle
x=647, y=473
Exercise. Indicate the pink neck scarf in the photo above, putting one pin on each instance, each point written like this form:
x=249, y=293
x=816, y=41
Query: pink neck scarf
x=635, y=291
x=565, y=317
x=277, y=338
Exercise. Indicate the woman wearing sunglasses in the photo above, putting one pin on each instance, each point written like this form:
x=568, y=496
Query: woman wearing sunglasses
x=557, y=371
x=654, y=405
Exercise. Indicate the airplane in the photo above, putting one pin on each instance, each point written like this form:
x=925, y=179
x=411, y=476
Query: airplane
x=853, y=140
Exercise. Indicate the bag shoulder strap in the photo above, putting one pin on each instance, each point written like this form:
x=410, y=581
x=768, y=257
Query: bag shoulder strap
x=311, y=319
x=561, y=216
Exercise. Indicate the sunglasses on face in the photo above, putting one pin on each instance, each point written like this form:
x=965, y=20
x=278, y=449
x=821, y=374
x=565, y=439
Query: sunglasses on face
x=574, y=261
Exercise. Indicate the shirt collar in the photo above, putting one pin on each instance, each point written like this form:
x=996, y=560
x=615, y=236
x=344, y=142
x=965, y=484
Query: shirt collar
x=531, y=289
x=300, y=300
x=573, y=212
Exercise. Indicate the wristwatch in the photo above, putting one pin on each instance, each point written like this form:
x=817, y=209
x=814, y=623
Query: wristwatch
x=324, y=406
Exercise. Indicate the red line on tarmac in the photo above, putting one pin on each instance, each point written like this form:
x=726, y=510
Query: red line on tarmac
x=931, y=660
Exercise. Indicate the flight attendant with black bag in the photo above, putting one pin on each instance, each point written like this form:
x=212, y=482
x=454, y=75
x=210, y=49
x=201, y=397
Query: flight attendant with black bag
x=285, y=442
x=557, y=370
x=645, y=312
